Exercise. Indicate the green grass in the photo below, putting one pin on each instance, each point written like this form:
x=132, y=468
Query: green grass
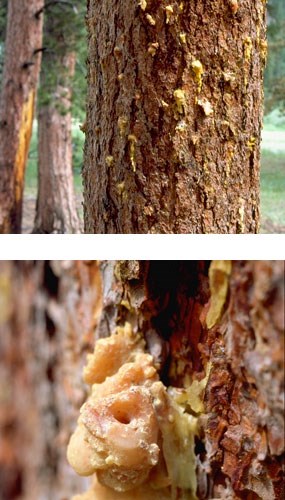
x=273, y=187
x=273, y=171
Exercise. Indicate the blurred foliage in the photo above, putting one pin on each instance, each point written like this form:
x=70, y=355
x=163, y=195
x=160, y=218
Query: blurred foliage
x=275, y=71
x=3, y=15
x=78, y=139
x=274, y=121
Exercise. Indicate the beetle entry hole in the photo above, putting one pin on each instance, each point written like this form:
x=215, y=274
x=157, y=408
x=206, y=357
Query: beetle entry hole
x=121, y=415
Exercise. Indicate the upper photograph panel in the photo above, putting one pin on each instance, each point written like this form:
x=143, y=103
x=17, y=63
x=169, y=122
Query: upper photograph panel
x=161, y=131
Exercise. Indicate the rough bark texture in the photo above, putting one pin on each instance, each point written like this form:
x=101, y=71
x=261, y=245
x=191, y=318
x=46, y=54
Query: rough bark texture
x=47, y=317
x=56, y=210
x=20, y=77
x=228, y=317
x=240, y=449
x=244, y=400
x=174, y=116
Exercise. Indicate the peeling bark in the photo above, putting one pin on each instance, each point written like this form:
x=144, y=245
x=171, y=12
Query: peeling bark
x=244, y=398
x=174, y=116
x=20, y=78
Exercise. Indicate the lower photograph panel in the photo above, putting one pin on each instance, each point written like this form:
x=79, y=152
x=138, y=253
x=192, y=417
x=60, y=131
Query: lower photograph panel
x=145, y=380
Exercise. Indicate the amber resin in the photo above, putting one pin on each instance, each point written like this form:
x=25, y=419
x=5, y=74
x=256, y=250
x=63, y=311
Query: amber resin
x=131, y=432
x=117, y=433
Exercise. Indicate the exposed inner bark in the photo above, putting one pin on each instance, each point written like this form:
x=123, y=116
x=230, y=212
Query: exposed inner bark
x=20, y=78
x=174, y=116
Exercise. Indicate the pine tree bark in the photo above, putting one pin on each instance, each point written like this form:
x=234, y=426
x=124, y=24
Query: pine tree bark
x=56, y=207
x=20, y=78
x=47, y=317
x=229, y=317
x=225, y=316
x=174, y=116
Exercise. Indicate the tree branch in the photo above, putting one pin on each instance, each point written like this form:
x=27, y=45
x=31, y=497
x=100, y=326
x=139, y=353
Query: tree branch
x=42, y=49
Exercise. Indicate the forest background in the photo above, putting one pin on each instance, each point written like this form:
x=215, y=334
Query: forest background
x=273, y=143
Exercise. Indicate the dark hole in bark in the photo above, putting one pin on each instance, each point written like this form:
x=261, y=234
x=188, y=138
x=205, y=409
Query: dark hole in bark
x=50, y=372
x=51, y=280
x=50, y=326
x=168, y=282
x=175, y=290
x=251, y=163
x=200, y=448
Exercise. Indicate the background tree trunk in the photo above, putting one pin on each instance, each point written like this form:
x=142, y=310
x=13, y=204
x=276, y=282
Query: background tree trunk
x=20, y=78
x=226, y=316
x=174, y=116
x=56, y=208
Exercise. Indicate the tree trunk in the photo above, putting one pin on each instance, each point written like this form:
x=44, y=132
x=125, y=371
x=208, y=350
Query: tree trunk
x=56, y=209
x=174, y=116
x=227, y=322
x=47, y=318
x=216, y=333
x=20, y=78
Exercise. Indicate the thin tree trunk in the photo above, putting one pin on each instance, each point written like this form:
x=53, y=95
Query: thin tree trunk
x=174, y=116
x=56, y=208
x=20, y=78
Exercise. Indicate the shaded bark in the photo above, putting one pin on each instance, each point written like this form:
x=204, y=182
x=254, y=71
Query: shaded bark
x=47, y=319
x=174, y=116
x=20, y=78
x=56, y=209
